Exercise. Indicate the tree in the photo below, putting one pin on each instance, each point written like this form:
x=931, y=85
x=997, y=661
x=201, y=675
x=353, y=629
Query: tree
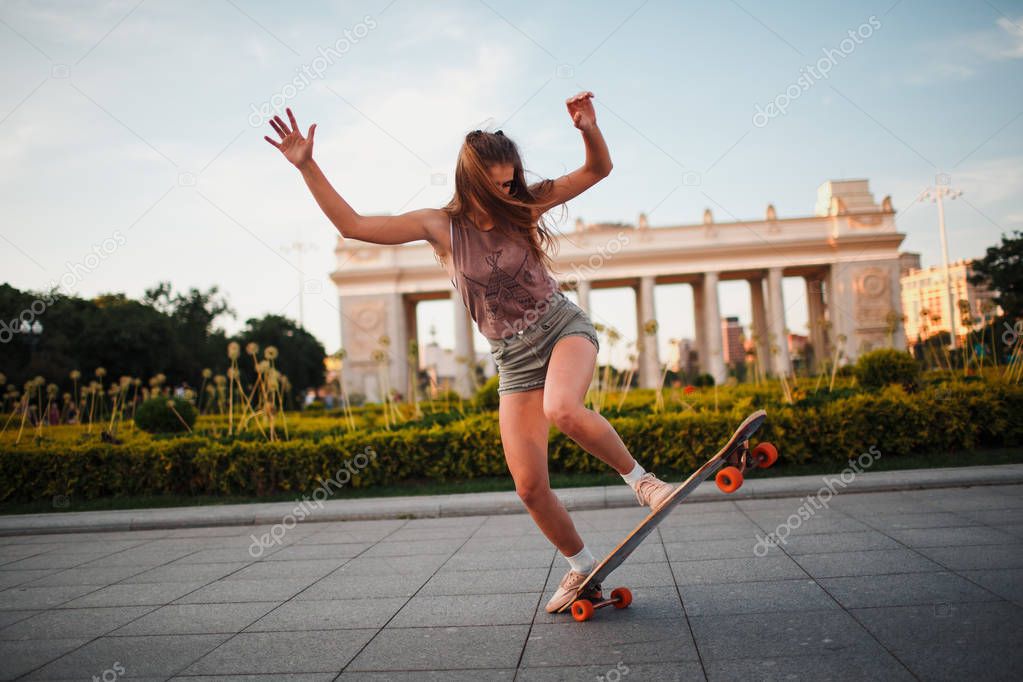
x=300, y=354
x=1002, y=271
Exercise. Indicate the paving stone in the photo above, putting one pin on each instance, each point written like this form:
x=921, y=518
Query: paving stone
x=976, y=558
x=379, y=566
x=716, y=532
x=15, y=578
x=124, y=594
x=952, y=642
x=86, y=575
x=1006, y=582
x=505, y=581
x=11, y=617
x=469, y=609
x=839, y=542
x=54, y=560
x=235, y=591
x=329, y=614
x=23, y=597
x=507, y=674
x=780, y=635
x=74, y=623
x=185, y=573
x=139, y=656
x=608, y=641
x=932, y=519
x=327, y=551
x=283, y=652
x=951, y=537
x=739, y=598
x=735, y=570
x=668, y=671
x=474, y=561
x=340, y=586
x=869, y=562
x=406, y=549
x=444, y=648
x=306, y=568
x=730, y=548
x=903, y=590
x=828, y=667
x=196, y=619
x=289, y=677
x=20, y=657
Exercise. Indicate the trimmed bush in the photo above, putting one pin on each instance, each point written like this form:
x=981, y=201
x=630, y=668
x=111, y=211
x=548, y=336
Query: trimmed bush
x=938, y=418
x=880, y=368
x=487, y=397
x=156, y=416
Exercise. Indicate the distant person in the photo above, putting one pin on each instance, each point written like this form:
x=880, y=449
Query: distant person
x=493, y=241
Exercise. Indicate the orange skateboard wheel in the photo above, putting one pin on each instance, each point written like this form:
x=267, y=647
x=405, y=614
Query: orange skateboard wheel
x=765, y=455
x=582, y=610
x=729, y=479
x=623, y=597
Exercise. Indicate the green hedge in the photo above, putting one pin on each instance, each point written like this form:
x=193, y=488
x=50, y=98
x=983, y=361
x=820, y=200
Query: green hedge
x=941, y=418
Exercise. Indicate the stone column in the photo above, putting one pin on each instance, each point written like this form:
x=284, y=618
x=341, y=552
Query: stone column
x=763, y=346
x=465, y=353
x=649, y=363
x=712, y=328
x=815, y=320
x=700, y=326
x=582, y=290
x=781, y=364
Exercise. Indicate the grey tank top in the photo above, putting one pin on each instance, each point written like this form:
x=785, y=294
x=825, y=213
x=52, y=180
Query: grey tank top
x=504, y=286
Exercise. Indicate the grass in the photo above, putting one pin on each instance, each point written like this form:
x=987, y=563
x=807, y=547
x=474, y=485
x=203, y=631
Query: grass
x=504, y=483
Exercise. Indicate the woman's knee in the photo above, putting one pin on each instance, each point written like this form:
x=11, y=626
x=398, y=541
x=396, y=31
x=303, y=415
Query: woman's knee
x=566, y=415
x=533, y=492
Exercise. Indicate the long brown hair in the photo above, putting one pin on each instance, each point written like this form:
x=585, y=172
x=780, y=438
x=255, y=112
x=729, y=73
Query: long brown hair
x=512, y=213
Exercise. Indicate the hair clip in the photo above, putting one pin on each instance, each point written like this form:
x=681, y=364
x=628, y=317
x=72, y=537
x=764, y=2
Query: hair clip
x=499, y=132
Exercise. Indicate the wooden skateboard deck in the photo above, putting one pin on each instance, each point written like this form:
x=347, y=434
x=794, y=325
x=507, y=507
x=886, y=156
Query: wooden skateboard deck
x=736, y=453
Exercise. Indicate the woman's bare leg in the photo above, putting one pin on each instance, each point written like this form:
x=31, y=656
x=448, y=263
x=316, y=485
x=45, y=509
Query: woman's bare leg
x=568, y=376
x=524, y=437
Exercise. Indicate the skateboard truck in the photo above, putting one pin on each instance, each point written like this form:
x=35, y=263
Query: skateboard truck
x=729, y=478
x=582, y=609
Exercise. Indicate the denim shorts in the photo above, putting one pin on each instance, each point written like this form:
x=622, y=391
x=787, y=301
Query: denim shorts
x=522, y=357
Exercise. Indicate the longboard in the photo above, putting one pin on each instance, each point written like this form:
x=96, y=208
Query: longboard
x=729, y=463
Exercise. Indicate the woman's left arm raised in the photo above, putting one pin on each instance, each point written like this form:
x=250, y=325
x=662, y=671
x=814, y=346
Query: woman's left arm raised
x=598, y=159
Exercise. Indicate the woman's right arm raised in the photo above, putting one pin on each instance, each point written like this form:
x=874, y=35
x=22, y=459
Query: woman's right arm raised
x=397, y=229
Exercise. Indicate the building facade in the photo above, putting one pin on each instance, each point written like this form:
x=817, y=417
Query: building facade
x=847, y=253
x=925, y=300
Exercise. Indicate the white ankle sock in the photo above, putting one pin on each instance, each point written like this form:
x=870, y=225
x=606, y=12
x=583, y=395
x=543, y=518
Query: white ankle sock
x=582, y=562
x=632, y=478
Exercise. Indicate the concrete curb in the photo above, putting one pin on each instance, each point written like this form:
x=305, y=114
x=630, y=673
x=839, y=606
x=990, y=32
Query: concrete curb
x=471, y=504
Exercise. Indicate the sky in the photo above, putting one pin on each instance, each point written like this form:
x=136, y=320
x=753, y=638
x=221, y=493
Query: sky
x=133, y=146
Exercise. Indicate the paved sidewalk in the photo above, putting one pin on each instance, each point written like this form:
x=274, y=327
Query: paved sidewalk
x=434, y=506
x=898, y=585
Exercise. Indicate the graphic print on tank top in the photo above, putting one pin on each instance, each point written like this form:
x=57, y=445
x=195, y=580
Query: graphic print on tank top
x=501, y=280
x=502, y=287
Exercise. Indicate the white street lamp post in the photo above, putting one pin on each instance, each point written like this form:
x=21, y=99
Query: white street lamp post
x=936, y=194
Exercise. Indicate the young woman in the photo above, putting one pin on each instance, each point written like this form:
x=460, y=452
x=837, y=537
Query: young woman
x=492, y=240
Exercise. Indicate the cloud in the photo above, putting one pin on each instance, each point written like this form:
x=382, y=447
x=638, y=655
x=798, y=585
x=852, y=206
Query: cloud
x=960, y=57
